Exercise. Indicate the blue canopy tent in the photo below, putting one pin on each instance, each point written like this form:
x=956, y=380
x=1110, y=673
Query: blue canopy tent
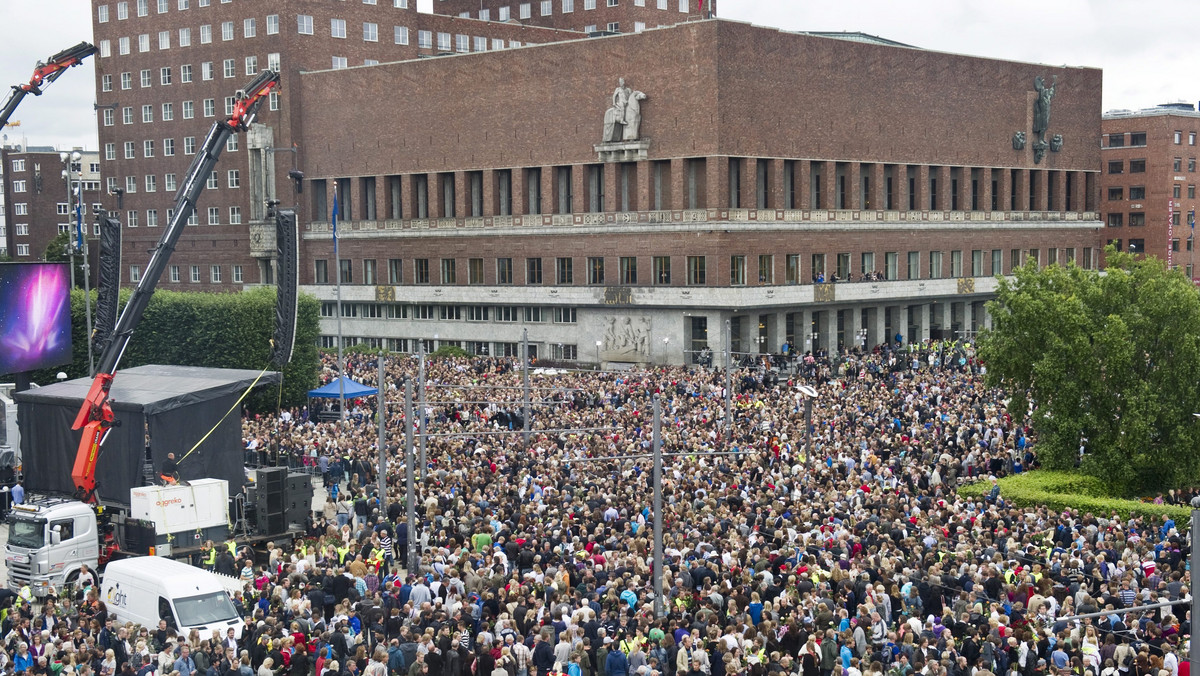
x=353, y=390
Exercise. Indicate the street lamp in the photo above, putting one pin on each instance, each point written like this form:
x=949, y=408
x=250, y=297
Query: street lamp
x=598, y=344
x=666, y=355
x=809, y=393
x=813, y=340
x=862, y=338
x=73, y=168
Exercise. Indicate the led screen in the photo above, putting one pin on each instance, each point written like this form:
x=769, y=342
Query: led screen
x=35, y=316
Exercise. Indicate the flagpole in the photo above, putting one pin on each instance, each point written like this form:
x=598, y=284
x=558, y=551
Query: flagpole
x=87, y=273
x=337, y=270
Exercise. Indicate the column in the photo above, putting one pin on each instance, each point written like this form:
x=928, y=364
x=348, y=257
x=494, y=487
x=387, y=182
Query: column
x=612, y=187
x=968, y=320
x=1003, y=189
x=923, y=187
x=829, y=185
x=943, y=188
x=923, y=312
x=854, y=186
x=644, y=192
x=489, y=192
x=947, y=318
x=964, y=188
x=549, y=190
x=987, y=317
x=829, y=332
x=803, y=187
x=1022, y=191
x=985, y=189
x=518, y=193
x=804, y=330
x=1060, y=191
x=878, y=329
x=434, y=191
x=854, y=325
x=778, y=331
x=461, y=195
x=878, y=193
x=678, y=191
x=775, y=188
x=748, y=186
x=1041, y=182
x=716, y=188
x=408, y=200
x=579, y=197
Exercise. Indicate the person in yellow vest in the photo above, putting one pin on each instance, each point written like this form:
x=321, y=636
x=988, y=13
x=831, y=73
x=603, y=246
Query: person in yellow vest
x=342, y=553
x=208, y=554
x=231, y=546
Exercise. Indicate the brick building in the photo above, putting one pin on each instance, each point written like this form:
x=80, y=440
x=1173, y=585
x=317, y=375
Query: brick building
x=167, y=69
x=589, y=16
x=1148, y=185
x=769, y=163
x=35, y=197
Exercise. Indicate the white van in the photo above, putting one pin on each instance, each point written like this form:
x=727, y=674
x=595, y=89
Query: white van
x=146, y=589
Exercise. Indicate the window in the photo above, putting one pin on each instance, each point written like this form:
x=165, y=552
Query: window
x=205, y=34
x=346, y=273
x=105, y=49
x=533, y=271
x=1178, y=164
x=189, y=110
x=147, y=113
x=251, y=65
x=249, y=27
x=152, y=218
x=766, y=269
x=1137, y=166
x=504, y=271
x=164, y=40
x=174, y=274
x=185, y=37
x=22, y=229
x=148, y=148
x=110, y=151
x=1177, y=191
x=614, y=27
x=1178, y=137
x=589, y=4
x=123, y=46
x=370, y=32
x=395, y=271
x=1116, y=140
x=144, y=42
x=337, y=28
x=304, y=24
x=401, y=35
x=1191, y=138
x=547, y=7
x=340, y=62
x=449, y=271
x=109, y=117
x=22, y=249
x=237, y=274
x=1191, y=164
x=568, y=6
x=106, y=83
x=695, y=271
x=737, y=270
x=627, y=269
x=214, y=215
x=1191, y=192
x=102, y=14
x=1137, y=219
x=234, y=178
x=272, y=24
x=503, y=14
x=131, y=218
x=662, y=270
x=169, y=182
x=564, y=272
x=213, y=182
x=526, y=10
x=145, y=77
x=214, y=273
x=484, y=15
x=1116, y=220
x=127, y=80
x=210, y=107
x=206, y=70
x=226, y=31
x=235, y=215
x=1116, y=166
x=321, y=271
x=164, y=76
x=130, y=150
x=1137, y=192
x=127, y=115
x=229, y=67
x=462, y=43
x=21, y=209
x=1116, y=194
x=425, y=39
x=474, y=271
x=18, y=186
x=1137, y=246
x=162, y=6
x=421, y=271
x=595, y=270
x=443, y=42
x=135, y=273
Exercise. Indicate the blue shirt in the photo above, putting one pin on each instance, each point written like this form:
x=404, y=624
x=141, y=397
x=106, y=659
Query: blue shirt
x=18, y=494
x=846, y=657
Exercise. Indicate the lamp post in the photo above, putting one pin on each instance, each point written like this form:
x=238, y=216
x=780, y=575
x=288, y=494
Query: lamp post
x=73, y=168
x=813, y=341
x=809, y=393
x=598, y=344
x=666, y=356
x=862, y=338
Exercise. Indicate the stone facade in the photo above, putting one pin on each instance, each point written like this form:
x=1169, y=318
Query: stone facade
x=35, y=199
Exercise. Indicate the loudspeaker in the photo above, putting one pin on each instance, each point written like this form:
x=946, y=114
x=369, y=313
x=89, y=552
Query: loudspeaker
x=299, y=483
x=139, y=536
x=270, y=484
x=271, y=523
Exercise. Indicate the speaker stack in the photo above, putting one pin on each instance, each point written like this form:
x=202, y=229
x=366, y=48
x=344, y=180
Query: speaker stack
x=298, y=499
x=270, y=508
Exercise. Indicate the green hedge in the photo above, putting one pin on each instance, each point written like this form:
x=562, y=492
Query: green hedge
x=1064, y=490
x=220, y=330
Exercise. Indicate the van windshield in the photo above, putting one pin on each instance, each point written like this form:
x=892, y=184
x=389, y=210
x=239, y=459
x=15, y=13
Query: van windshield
x=25, y=533
x=205, y=609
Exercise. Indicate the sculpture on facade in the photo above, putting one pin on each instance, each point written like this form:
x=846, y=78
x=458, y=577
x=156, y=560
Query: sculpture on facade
x=1041, y=106
x=1019, y=141
x=623, y=119
x=1056, y=143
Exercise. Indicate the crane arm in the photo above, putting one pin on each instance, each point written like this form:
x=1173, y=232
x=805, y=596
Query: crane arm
x=44, y=73
x=95, y=415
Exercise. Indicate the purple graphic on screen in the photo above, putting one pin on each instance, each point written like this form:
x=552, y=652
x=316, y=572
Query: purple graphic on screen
x=35, y=316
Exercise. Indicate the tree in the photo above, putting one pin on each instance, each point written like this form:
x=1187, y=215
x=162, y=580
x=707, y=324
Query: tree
x=1109, y=362
x=58, y=251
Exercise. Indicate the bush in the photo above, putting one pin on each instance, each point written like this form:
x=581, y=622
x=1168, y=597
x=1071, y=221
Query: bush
x=448, y=352
x=1064, y=490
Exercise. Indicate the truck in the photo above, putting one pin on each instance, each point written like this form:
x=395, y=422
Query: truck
x=51, y=538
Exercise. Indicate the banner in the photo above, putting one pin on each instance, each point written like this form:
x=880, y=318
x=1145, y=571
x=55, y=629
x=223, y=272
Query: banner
x=287, y=255
x=109, y=284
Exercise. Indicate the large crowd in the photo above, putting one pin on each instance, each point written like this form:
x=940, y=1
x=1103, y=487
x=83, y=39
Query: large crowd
x=855, y=558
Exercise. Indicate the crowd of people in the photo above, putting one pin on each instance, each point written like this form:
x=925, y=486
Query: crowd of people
x=857, y=558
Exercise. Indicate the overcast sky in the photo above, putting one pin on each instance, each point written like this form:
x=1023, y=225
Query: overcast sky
x=1144, y=48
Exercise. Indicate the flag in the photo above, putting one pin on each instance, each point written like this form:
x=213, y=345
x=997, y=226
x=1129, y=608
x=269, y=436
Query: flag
x=1192, y=219
x=79, y=215
x=335, y=215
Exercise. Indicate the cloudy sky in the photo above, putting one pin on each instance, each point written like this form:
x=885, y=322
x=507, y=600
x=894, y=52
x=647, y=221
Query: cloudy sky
x=1144, y=48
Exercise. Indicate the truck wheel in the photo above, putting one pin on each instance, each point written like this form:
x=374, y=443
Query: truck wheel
x=72, y=579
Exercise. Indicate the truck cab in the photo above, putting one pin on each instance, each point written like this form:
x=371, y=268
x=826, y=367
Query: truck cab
x=49, y=539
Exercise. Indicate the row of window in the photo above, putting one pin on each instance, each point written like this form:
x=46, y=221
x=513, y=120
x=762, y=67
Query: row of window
x=19, y=166
x=557, y=351
x=142, y=8
x=546, y=8
x=821, y=269
x=1138, y=219
x=470, y=313
x=133, y=217
x=166, y=74
x=1138, y=192
x=1139, y=166
x=1138, y=138
x=216, y=274
x=187, y=110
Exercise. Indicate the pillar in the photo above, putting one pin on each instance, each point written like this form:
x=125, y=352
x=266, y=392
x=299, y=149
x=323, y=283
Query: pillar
x=855, y=324
x=829, y=185
x=434, y=191
x=778, y=331
x=612, y=187
x=923, y=313
x=462, y=195
x=679, y=193
x=923, y=187
x=964, y=188
x=985, y=189
x=518, y=193
x=804, y=330
x=1022, y=191
x=408, y=201
x=644, y=186
x=489, y=192
x=748, y=187
x=968, y=319
x=829, y=332
x=878, y=192
x=775, y=188
x=549, y=190
x=1003, y=189
x=1060, y=191
x=716, y=189
x=579, y=197
x=803, y=187
x=878, y=328
x=1040, y=183
x=943, y=188
x=854, y=186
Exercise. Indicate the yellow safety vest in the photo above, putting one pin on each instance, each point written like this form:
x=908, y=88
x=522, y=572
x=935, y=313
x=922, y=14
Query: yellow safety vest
x=231, y=546
x=342, y=552
x=210, y=559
